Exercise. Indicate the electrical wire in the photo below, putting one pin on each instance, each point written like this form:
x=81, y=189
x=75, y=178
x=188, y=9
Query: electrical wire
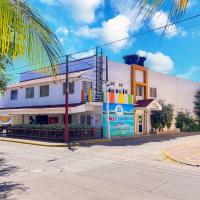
x=126, y=38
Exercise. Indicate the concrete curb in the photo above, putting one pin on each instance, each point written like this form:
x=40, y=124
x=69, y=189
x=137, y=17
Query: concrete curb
x=46, y=144
x=173, y=159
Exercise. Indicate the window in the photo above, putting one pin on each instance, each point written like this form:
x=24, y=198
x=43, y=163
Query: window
x=153, y=92
x=118, y=91
x=88, y=120
x=14, y=94
x=140, y=91
x=53, y=120
x=30, y=93
x=111, y=90
x=70, y=119
x=125, y=91
x=83, y=119
x=71, y=88
x=44, y=91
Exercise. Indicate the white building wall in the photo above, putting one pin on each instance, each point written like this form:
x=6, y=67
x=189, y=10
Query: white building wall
x=180, y=92
x=119, y=73
x=55, y=97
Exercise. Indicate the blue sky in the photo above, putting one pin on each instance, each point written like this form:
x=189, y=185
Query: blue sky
x=82, y=24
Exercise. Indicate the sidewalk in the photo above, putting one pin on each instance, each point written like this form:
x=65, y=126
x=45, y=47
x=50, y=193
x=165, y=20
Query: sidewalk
x=51, y=144
x=186, y=153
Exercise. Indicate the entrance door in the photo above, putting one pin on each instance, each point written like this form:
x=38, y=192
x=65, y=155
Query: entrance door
x=140, y=124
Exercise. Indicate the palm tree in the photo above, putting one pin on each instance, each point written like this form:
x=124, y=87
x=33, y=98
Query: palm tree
x=23, y=34
x=176, y=8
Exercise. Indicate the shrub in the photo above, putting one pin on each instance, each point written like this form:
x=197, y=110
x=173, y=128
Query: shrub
x=186, y=123
x=164, y=117
x=51, y=126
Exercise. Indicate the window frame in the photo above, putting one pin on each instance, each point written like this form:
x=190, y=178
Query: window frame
x=153, y=92
x=70, y=89
x=139, y=91
x=46, y=94
x=29, y=96
x=12, y=96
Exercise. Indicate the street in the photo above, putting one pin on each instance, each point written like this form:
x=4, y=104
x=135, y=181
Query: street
x=123, y=170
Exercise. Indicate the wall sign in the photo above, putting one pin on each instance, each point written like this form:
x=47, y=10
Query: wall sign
x=121, y=120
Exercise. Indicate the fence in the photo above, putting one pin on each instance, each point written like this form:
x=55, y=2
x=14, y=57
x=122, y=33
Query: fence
x=56, y=135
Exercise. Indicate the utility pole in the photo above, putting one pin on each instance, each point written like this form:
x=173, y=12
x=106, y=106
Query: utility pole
x=96, y=95
x=107, y=101
x=66, y=131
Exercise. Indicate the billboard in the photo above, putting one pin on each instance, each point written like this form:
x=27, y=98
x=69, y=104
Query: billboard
x=121, y=120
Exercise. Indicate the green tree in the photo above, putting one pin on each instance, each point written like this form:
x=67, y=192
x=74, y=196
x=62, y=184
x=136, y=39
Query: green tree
x=3, y=78
x=197, y=105
x=163, y=118
x=185, y=122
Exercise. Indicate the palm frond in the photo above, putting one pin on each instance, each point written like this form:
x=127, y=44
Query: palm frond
x=149, y=7
x=23, y=33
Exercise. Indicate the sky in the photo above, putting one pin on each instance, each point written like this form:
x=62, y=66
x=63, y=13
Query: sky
x=82, y=24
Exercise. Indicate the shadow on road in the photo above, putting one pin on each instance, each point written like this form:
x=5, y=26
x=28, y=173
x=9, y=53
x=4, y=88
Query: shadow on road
x=5, y=170
x=143, y=140
x=72, y=148
x=7, y=188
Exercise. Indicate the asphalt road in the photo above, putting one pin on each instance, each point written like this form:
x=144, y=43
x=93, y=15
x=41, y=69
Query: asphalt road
x=122, y=170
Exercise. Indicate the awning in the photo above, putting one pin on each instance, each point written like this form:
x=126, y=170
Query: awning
x=148, y=104
x=50, y=109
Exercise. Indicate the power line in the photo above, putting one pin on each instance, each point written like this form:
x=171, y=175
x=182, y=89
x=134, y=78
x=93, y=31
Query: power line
x=152, y=30
x=81, y=60
x=110, y=43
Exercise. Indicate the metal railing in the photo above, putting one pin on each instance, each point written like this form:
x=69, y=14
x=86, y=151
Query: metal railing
x=57, y=135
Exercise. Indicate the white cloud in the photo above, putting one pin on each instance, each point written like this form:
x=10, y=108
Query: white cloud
x=161, y=19
x=114, y=29
x=192, y=74
x=85, y=54
x=62, y=39
x=62, y=33
x=157, y=61
x=82, y=10
x=87, y=32
x=62, y=30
